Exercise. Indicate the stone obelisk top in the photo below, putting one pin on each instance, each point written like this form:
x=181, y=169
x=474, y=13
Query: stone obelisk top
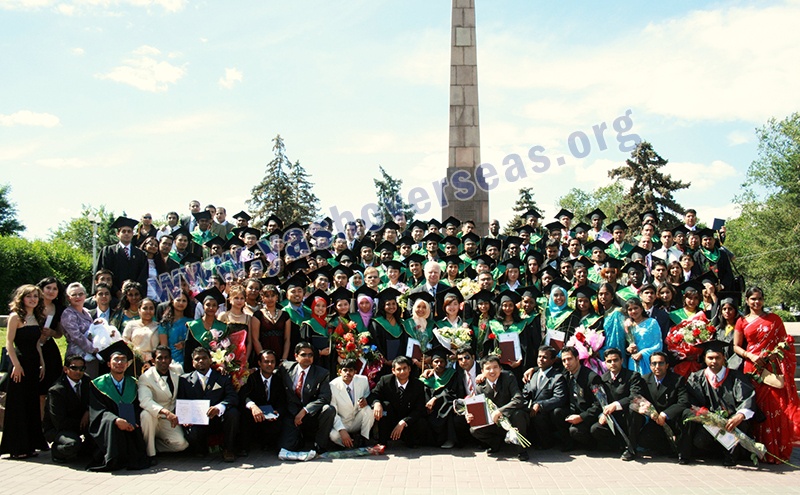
x=465, y=141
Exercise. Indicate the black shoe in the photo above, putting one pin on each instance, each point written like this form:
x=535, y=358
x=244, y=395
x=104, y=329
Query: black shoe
x=319, y=449
x=683, y=460
x=728, y=461
x=152, y=461
x=523, y=456
x=628, y=455
x=568, y=447
x=492, y=450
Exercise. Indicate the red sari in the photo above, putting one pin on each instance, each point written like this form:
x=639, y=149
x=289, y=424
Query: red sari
x=780, y=406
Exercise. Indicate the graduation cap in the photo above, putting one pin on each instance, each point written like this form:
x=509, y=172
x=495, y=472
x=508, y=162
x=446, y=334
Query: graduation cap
x=638, y=252
x=508, y=294
x=471, y=236
x=296, y=280
x=529, y=291
x=417, y=224
x=452, y=260
x=437, y=353
x=296, y=265
x=705, y=233
x=213, y=293
x=487, y=243
x=237, y=231
x=432, y=237
x=391, y=225
x=346, y=255
x=233, y=241
x=708, y=277
x=342, y=269
x=582, y=227
x=525, y=229
x=554, y=226
x=202, y=215
x=451, y=221
x=424, y=295
x=341, y=294
x=435, y=223
x=550, y=270
x=319, y=272
x=557, y=282
x=414, y=258
x=406, y=240
x=483, y=295
x=452, y=240
x=513, y=263
x=252, y=231
x=649, y=214
x=366, y=291
x=320, y=254
x=617, y=225
x=484, y=259
x=450, y=290
x=693, y=284
x=534, y=254
x=215, y=241
x=533, y=212
x=719, y=346
x=598, y=244
x=680, y=229
x=243, y=215
x=388, y=294
x=612, y=263
x=317, y=293
x=366, y=243
x=189, y=258
x=564, y=213
x=294, y=225
x=512, y=239
x=581, y=261
x=270, y=281
x=394, y=264
x=633, y=266
x=118, y=347
x=584, y=291
x=121, y=222
x=274, y=218
x=387, y=246
x=596, y=213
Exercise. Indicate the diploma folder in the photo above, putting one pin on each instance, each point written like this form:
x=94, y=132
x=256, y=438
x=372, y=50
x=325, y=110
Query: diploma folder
x=414, y=349
x=510, y=350
x=476, y=405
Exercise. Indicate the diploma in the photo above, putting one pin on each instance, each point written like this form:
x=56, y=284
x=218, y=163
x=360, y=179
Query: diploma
x=510, y=348
x=414, y=349
x=192, y=412
x=555, y=338
x=476, y=405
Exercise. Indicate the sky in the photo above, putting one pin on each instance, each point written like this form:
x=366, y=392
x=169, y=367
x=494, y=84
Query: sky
x=144, y=105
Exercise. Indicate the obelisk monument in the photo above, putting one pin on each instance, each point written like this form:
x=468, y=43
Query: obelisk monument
x=465, y=140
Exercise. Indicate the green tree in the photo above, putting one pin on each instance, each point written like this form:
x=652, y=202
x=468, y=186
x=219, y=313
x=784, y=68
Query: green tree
x=77, y=232
x=524, y=203
x=581, y=202
x=303, y=195
x=650, y=189
x=766, y=234
x=390, y=201
x=275, y=194
x=9, y=225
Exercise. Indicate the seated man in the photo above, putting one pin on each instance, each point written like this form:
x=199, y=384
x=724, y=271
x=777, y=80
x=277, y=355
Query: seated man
x=620, y=385
x=545, y=394
x=207, y=383
x=583, y=408
x=260, y=393
x=440, y=393
x=67, y=411
x=464, y=385
x=403, y=400
x=718, y=388
x=349, y=394
x=666, y=391
x=113, y=413
x=501, y=387
x=158, y=389
x=308, y=399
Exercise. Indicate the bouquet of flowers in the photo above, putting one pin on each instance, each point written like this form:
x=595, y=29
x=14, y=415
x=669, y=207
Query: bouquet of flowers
x=643, y=406
x=352, y=345
x=771, y=373
x=513, y=436
x=454, y=338
x=229, y=355
x=719, y=419
x=468, y=287
x=682, y=341
x=357, y=452
x=588, y=342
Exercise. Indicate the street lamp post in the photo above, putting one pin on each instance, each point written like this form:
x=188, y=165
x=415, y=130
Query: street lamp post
x=95, y=221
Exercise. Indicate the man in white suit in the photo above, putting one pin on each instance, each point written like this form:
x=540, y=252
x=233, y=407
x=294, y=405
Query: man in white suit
x=353, y=414
x=158, y=388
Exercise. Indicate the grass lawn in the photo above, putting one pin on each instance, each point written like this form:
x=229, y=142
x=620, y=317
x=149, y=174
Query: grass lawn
x=62, y=343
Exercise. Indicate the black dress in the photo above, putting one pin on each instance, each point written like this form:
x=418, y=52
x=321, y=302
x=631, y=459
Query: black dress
x=22, y=427
x=53, y=365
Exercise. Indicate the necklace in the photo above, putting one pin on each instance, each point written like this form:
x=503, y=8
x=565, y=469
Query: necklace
x=271, y=317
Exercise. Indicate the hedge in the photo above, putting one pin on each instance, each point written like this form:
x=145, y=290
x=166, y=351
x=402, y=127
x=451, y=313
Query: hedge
x=26, y=262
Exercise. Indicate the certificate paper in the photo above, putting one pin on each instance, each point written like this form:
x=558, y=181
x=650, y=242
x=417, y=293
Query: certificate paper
x=511, y=351
x=476, y=405
x=414, y=349
x=555, y=338
x=725, y=438
x=192, y=412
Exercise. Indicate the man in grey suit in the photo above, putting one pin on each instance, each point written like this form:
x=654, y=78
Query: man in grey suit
x=349, y=393
x=546, y=394
x=207, y=383
x=158, y=389
x=308, y=394
x=433, y=272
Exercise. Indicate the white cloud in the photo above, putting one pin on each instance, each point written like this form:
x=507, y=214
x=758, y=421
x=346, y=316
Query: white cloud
x=28, y=118
x=71, y=8
x=145, y=72
x=232, y=76
x=67, y=10
x=60, y=163
x=736, y=138
x=702, y=177
x=78, y=51
x=16, y=152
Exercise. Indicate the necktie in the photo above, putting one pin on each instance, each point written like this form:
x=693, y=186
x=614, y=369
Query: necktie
x=540, y=380
x=78, y=390
x=401, y=392
x=352, y=395
x=203, y=381
x=266, y=389
x=169, y=383
x=300, y=311
x=127, y=252
x=298, y=389
x=119, y=387
x=471, y=385
x=433, y=290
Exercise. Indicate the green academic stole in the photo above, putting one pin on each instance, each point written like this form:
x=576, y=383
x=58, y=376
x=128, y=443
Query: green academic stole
x=394, y=330
x=619, y=254
x=436, y=382
x=553, y=323
x=411, y=329
x=713, y=256
x=294, y=316
x=105, y=384
x=590, y=319
x=317, y=328
x=680, y=314
x=201, y=335
x=356, y=317
x=498, y=271
x=626, y=293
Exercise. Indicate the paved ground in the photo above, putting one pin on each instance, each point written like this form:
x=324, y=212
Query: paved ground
x=405, y=471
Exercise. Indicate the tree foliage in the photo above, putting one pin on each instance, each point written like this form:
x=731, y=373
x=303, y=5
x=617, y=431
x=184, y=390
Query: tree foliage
x=390, y=200
x=524, y=203
x=9, y=225
x=77, y=232
x=766, y=236
x=285, y=191
x=650, y=189
x=580, y=202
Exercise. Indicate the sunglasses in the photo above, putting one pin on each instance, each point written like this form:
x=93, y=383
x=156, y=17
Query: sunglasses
x=658, y=363
x=77, y=368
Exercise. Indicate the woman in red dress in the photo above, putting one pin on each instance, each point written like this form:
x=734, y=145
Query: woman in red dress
x=760, y=338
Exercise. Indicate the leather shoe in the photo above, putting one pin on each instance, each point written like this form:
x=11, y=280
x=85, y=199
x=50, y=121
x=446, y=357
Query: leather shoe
x=448, y=444
x=492, y=450
x=228, y=456
x=523, y=456
x=153, y=461
x=628, y=455
x=682, y=460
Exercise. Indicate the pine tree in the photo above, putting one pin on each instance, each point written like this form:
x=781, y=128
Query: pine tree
x=650, y=189
x=306, y=202
x=275, y=193
x=524, y=203
x=390, y=201
x=9, y=225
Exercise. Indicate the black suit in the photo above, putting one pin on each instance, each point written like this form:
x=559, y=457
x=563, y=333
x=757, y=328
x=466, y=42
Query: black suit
x=662, y=318
x=315, y=399
x=671, y=398
x=440, y=287
x=550, y=393
x=507, y=396
x=409, y=408
x=124, y=268
x=218, y=390
x=582, y=402
x=64, y=411
x=255, y=391
x=621, y=389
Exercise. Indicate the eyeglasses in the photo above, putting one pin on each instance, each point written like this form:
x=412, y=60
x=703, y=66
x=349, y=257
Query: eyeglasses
x=77, y=368
x=148, y=217
x=658, y=363
x=78, y=294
